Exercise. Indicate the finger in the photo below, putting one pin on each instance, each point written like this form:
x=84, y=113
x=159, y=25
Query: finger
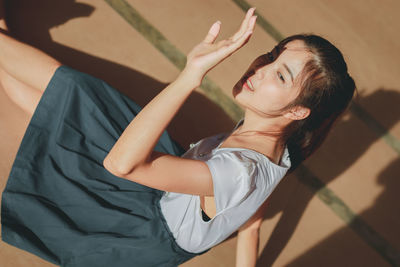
x=213, y=33
x=250, y=28
x=232, y=46
x=252, y=23
x=245, y=23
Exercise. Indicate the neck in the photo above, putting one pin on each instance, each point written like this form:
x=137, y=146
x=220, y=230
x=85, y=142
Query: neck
x=264, y=131
x=272, y=125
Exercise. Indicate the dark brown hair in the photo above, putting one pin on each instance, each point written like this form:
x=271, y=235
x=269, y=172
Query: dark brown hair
x=326, y=89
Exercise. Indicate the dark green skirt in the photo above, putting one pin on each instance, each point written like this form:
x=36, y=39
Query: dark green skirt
x=62, y=205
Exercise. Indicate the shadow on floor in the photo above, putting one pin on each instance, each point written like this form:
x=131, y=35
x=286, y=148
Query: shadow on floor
x=383, y=213
x=346, y=141
x=188, y=126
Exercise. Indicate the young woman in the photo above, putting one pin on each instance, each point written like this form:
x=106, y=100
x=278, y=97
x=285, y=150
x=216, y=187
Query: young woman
x=97, y=181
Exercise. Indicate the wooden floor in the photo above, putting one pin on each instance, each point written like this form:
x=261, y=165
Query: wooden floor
x=341, y=207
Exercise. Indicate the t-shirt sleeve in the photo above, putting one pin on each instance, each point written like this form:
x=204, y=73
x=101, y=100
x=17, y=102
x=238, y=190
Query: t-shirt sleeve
x=233, y=177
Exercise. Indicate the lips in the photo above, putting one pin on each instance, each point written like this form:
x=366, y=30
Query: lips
x=248, y=85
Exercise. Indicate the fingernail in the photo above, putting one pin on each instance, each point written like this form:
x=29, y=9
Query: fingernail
x=219, y=22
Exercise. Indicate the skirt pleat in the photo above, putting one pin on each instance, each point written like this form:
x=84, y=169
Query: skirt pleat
x=62, y=205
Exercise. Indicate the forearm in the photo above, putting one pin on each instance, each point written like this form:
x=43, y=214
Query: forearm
x=247, y=248
x=136, y=143
x=140, y=137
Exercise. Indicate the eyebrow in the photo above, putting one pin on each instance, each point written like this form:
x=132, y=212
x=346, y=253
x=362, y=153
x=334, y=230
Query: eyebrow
x=288, y=70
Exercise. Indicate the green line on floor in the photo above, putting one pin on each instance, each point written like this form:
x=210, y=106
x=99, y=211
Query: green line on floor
x=375, y=126
x=261, y=21
x=157, y=39
x=358, y=225
x=216, y=94
x=357, y=110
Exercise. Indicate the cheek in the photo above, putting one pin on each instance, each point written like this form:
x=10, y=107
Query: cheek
x=271, y=97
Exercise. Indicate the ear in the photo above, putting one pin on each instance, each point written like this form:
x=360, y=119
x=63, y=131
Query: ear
x=297, y=113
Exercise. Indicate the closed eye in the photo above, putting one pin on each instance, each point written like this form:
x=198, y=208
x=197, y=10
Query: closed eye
x=280, y=76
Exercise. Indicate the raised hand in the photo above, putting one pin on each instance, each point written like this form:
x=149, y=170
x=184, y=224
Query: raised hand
x=206, y=55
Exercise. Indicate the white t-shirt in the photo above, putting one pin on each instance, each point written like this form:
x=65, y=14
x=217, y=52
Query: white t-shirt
x=242, y=180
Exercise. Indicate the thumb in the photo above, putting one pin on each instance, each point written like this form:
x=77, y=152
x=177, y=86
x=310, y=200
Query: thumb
x=213, y=33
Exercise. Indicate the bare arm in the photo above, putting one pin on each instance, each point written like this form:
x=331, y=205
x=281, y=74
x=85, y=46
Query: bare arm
x=132, y=156
x=248, y=239
x=247, y=248
x=136, y=143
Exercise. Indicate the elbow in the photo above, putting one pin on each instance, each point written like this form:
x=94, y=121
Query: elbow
x=109, y=166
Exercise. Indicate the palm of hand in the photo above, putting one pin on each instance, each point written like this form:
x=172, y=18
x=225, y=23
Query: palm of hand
x=207, y=54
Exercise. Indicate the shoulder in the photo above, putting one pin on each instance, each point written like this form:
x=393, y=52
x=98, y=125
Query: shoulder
x=234, y=168
x=233, y=160
x=234, y=175
x=248, y=164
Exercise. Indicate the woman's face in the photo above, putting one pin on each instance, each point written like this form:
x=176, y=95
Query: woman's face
x=268, y=86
